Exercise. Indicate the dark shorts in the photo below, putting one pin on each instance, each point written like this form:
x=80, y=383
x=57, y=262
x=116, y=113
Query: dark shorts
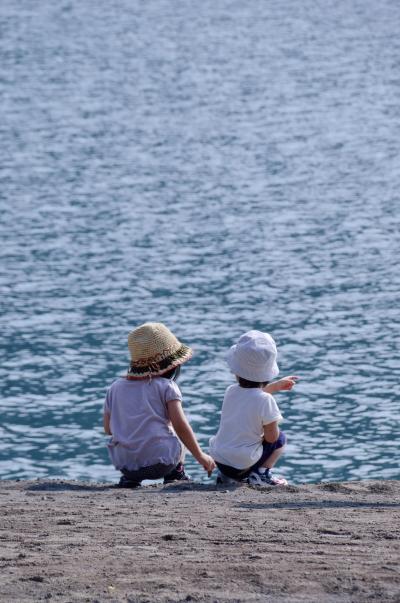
x=268, y=449
x=152, y=472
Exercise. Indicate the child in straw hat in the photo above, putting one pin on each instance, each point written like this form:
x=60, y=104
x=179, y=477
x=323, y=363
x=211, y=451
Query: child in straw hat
x=249, y=441
x=143, y=411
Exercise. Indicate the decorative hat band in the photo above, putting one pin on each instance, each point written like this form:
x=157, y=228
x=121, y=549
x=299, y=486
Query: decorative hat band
x=158, y=364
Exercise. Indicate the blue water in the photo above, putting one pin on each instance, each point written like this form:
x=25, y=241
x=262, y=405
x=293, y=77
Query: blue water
x=217, y=166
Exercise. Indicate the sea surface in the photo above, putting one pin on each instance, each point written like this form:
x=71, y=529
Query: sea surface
x=217, y=166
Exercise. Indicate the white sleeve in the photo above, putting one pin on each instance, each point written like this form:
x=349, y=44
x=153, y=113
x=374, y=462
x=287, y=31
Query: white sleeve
x=270, y=410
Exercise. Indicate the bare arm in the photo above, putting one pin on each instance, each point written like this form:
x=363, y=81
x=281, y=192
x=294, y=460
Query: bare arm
x=286, y=383
x=106, y=424
x=271, y=432
x=185, y=434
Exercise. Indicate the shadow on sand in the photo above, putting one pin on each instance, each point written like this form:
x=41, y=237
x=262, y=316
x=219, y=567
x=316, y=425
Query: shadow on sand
x=325, y=504
x=58, y=486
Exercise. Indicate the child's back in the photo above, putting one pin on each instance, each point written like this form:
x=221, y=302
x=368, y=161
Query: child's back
x=240, y=435
x=142, y=434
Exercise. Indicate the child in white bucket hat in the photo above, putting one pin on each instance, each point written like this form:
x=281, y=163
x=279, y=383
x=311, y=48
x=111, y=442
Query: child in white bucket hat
x=143, y=411
x=249, y=441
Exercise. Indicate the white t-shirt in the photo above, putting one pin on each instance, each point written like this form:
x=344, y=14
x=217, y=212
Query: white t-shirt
x=142, y=434
x=238, y=442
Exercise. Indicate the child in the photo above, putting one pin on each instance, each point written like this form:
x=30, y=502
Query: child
x=249, y=442
x=143, y=408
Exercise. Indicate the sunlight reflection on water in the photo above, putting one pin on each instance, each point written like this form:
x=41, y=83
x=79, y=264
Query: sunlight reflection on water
x=198, y=169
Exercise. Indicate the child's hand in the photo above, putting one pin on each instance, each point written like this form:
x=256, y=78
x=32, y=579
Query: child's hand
x=207, y=463
x=286, y=383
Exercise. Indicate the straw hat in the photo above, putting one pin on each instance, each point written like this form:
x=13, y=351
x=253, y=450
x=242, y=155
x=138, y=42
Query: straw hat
x=154, y=350
x=254, y=357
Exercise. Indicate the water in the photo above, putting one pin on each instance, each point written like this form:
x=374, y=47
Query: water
x=218, y=167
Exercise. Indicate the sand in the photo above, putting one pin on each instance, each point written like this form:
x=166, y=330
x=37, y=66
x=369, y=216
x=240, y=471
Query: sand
x=74, y=541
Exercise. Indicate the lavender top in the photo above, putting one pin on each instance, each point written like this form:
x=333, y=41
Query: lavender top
x=142, y=434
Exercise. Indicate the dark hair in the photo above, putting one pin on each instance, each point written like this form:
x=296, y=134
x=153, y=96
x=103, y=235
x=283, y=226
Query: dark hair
x=172, y=373
x=249, y=384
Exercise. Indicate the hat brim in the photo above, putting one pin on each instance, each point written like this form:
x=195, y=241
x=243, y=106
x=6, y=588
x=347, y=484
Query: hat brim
x=157, y=369
x=259, y=376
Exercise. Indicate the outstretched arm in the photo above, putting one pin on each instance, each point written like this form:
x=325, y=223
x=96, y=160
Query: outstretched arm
x=286, y=383
x=186, y=435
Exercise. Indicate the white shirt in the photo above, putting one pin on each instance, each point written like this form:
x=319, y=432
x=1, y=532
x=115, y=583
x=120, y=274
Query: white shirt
x=142, y=434
x=238, y=442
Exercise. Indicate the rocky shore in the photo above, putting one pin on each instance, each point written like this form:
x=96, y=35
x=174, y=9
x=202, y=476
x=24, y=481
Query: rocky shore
x=74, y=541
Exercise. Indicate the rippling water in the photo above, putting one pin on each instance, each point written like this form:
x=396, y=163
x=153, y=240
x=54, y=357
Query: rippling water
x=218, y=167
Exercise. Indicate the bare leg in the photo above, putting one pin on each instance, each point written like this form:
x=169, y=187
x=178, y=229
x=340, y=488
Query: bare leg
x=272, y=459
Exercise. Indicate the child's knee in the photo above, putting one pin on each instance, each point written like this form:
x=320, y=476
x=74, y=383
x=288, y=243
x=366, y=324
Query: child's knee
x=282, y=440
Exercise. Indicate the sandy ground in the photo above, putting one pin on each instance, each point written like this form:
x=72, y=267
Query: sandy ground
x=73, y=541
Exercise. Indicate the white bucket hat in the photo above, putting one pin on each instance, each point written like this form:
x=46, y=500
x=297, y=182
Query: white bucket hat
x=253, y=357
